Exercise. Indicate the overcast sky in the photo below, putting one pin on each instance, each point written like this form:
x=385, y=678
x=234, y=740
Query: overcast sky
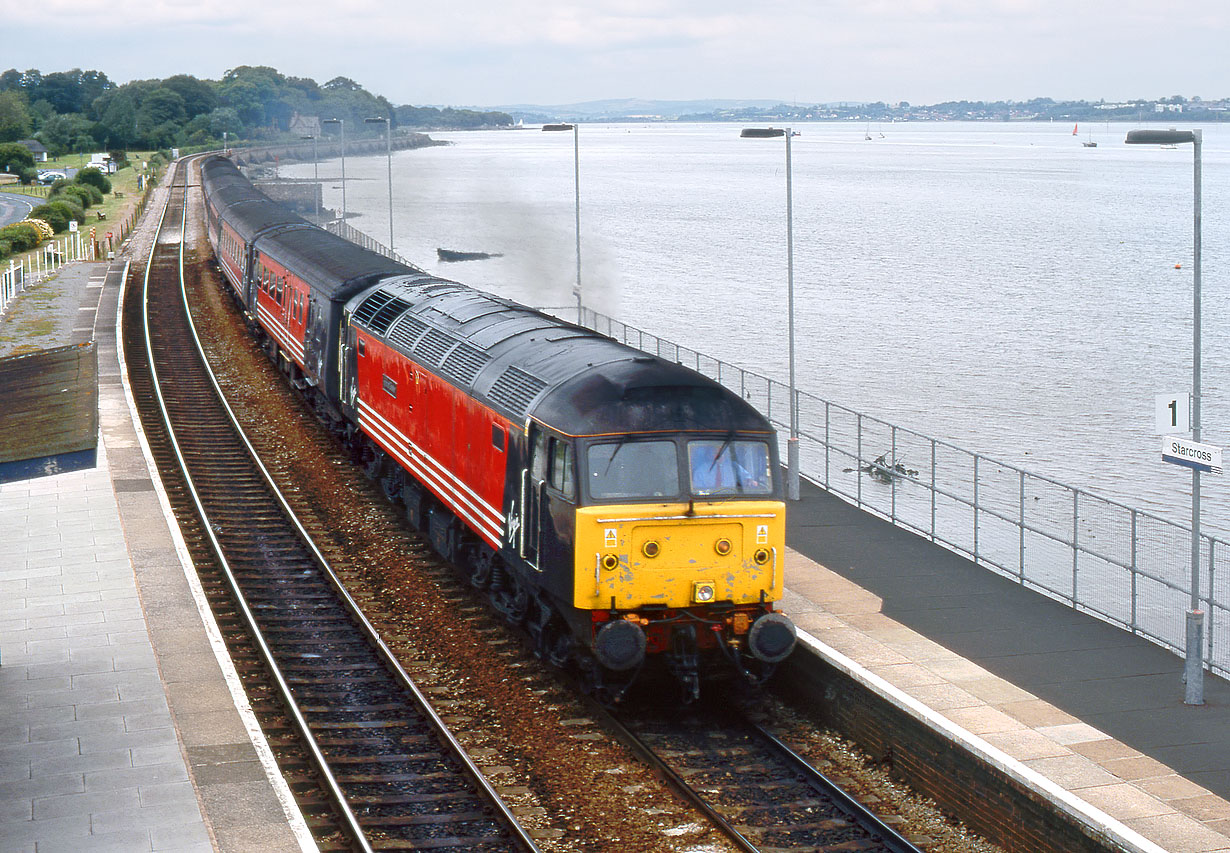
x=495, y=52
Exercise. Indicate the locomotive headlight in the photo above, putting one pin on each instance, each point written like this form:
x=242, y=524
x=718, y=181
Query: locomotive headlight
x=610, y=562
x=723, y=547
x=761, y=556
x=703, y=592
x=651, y=549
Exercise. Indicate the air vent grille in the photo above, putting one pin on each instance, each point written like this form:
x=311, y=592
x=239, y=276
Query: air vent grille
x=406, y=331
x=464, y=363
x=516, y=389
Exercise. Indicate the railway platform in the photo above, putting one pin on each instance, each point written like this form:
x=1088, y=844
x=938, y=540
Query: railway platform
x=119, y=729
x=1072, y=700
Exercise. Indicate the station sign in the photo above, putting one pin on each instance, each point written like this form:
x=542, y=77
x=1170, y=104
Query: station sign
x=1172, y=413
x=1192, y=454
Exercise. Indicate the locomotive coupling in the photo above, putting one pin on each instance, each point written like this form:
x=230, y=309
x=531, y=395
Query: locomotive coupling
x=771, y=638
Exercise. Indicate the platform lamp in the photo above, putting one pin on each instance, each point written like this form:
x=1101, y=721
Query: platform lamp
x=576, y=186
x=315, y=175
x=388, y=142
x=342, y=122
x=1193, y=670
x=792, y=445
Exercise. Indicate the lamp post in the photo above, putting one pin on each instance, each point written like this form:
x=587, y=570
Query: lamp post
x=792, y=444
x=576, y=186
x=388, y=142
x=1193, y=670
x=342, y=122
x=315, y=176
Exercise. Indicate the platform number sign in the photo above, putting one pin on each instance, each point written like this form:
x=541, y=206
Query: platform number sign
x=1172, y=414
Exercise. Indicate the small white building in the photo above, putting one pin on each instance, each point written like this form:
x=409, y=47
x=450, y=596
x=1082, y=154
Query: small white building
x=36, y=148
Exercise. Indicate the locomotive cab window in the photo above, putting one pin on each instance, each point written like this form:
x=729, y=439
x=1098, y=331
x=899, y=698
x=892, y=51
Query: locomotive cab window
x=563, y=476
x=497, y=437
x=633, y=469
x=729, y=467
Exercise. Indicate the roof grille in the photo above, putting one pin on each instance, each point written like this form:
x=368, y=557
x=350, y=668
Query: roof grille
x=387, y=313
x=433, y=347
x=516, y=389
x=407, y=331
x=464, y=363
x=369, y=306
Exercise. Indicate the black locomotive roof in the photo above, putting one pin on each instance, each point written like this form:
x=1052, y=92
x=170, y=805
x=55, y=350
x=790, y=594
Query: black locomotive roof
x=525, y=363
x=330, y=263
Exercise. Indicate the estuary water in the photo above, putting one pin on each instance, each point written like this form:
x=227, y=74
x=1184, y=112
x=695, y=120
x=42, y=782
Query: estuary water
x=996, y=285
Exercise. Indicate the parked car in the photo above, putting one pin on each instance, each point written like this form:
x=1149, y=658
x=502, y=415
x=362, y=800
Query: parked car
x=50, y=177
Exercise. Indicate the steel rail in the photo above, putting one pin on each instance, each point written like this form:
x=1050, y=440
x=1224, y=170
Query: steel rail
x=347, y=813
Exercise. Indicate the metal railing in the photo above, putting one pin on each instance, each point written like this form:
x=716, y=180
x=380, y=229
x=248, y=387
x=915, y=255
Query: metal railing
x=1128, y=567
x=354, y=235
x=1125, y=566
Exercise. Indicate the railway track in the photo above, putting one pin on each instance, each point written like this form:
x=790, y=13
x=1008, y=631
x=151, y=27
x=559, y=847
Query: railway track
x=373, y=767
x=758, y=791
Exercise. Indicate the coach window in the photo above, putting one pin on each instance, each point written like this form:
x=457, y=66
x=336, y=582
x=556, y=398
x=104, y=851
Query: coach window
x=563, y=478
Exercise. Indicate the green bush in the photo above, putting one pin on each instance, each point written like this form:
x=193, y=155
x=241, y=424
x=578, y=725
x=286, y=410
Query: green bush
x=80, y=192
x=96, y=196
x=27, y=176
x=70, y=207
x=58, y=212
x=6, y=249
x=59, y=184
x=94, y=177
x=21, y=236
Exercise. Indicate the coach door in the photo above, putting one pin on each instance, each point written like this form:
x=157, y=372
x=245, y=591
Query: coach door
x=535, y=478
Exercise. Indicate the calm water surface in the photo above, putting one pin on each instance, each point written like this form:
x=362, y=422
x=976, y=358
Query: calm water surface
x=999, y=286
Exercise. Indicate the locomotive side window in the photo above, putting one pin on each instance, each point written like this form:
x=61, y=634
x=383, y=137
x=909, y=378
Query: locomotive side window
x=538, y=467
x=497, y=437
x=362, y=347
x=729, y=467
x=633, y=469
x=390, y=386
x=563, y=477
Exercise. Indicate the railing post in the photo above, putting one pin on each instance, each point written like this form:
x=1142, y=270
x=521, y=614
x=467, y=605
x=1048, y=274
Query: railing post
x=892, y=478
x=1021, y=557
x=975, y=507
x=1076, y=494
x=933, y=484
x=828, y=443
x=1134, y=572
x=1209, y=609
x=858, y=459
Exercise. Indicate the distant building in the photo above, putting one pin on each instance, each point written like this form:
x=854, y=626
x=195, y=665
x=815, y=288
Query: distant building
x=305, y=125
x=36, y=148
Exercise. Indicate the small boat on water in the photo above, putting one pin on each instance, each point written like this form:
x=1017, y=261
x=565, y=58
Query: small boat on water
x=451, y=256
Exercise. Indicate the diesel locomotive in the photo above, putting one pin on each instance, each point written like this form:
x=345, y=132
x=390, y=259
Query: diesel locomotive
x=622, y=508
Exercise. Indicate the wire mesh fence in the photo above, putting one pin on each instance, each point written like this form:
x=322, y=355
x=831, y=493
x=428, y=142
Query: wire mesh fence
x=1125, y=566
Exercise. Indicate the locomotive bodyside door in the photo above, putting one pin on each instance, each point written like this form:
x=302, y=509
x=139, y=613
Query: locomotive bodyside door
x=534, y=478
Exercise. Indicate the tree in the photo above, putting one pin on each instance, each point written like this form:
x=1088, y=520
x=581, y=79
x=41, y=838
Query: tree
x=198, y=95
x=14, y=117
x=14, y=157
x=65, y=134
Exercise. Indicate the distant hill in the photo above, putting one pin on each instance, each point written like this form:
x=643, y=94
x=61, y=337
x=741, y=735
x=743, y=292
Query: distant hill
x=625, y=108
